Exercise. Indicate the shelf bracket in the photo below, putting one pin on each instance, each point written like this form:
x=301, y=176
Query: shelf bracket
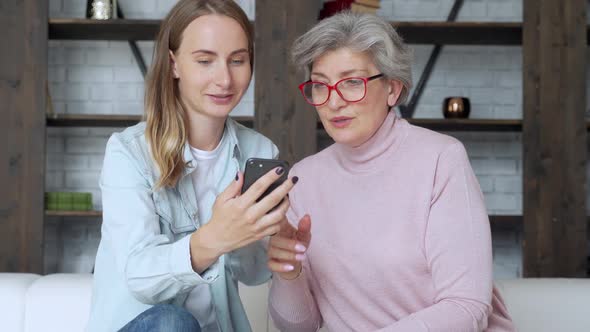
x=407, y=111
x=134, y=49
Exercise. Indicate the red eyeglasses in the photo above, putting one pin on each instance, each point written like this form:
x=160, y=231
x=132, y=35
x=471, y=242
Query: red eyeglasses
x=351, y=89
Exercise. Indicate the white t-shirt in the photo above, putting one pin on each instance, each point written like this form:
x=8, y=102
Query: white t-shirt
x=205, y=177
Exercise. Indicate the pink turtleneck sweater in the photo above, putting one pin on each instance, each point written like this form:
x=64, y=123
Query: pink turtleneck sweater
x=400, y=239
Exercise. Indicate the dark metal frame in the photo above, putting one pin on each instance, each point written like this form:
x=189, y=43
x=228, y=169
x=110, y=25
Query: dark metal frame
x=407, y=111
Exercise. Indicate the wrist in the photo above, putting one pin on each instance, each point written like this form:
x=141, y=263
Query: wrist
x=292, y=275
x=205, y=248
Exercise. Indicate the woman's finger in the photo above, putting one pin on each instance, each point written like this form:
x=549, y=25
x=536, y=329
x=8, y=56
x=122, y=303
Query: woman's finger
x=273, y=218
x=261, y=185
x=280, y=267
x=281, y=242
x=286, y=256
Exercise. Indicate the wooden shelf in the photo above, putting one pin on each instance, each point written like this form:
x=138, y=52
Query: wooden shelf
x=83, y=214
x=114, y=120
x=461, y=33
x=111, y=120
x=481, y=125
x=506, y=220
x=92, y=120
x=120, y=29
x=458, y=33
x=468, y=124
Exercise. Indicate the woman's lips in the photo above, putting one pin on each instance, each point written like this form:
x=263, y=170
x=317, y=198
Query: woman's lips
x=223, y=99
x=341, y=121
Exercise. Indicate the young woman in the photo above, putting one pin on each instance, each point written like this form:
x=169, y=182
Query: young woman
x=177, y=235
x=401, y=239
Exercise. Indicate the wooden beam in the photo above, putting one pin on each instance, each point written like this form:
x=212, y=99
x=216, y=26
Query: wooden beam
x=23, y=76
x=280, y=112
x=554, y=138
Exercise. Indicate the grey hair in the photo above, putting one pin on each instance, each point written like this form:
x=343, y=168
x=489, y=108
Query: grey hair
x=361, y=33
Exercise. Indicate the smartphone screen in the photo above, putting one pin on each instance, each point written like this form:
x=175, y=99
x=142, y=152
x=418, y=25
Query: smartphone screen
x=257, y=167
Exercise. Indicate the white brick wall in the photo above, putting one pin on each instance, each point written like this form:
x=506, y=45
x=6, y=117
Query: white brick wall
x=102, y=77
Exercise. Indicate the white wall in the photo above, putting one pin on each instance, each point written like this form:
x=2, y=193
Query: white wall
x=102, y=77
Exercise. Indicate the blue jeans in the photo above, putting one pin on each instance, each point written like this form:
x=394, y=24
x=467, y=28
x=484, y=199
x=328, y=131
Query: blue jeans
x=163, y=318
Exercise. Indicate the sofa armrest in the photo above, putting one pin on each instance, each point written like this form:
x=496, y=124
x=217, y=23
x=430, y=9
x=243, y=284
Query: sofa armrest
x=547, y=305
x=13, y=290
x=59, y=302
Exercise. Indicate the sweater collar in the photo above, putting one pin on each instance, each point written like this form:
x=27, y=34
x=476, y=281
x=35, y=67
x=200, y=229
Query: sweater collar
x=376, y=149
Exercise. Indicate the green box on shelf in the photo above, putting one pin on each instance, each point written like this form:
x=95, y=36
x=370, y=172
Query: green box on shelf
x=68, y=201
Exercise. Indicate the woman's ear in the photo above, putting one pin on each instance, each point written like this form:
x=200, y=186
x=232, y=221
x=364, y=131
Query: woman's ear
x=395, y=88
x=173, y=64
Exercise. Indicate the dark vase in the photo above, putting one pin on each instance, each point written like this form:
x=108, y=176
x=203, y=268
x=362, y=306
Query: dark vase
x=89, y=9
x=456, y=108
x=101, y=9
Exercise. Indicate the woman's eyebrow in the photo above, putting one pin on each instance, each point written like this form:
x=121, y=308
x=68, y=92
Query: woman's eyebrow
x=342, y=74
x=209, y=52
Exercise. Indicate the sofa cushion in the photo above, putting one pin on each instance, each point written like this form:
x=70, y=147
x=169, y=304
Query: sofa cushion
x=13, y=289
x=58, y=302
x=547, y=305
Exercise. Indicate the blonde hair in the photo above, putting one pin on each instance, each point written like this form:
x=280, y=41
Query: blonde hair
x=166, y=121
x=362, y=33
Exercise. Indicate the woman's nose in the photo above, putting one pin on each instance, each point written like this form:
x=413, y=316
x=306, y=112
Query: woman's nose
x=223, y=77
x=335, y=102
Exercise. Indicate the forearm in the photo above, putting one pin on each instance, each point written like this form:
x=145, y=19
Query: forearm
x=292, y=305
x=160, y=271
x=458, y=315
x=204, y=249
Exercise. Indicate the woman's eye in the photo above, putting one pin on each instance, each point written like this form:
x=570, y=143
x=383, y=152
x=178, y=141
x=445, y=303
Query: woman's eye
x=237, y=61
x=353, y=82
x=203, y=61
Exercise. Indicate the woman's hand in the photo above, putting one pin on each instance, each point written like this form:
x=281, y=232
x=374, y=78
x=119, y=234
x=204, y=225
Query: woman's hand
x=238, y=220
x=287, y=248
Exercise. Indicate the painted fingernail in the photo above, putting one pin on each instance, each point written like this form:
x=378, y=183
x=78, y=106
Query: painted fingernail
x=288, y=267
x=300, y=247
x=295, y=179
x=237, y=176
x=280, y=170
x=299, y=257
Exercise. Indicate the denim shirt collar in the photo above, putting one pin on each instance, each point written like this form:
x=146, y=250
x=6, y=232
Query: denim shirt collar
x=232, y=140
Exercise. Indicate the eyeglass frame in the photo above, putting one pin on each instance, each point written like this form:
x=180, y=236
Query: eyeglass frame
x=366, y=80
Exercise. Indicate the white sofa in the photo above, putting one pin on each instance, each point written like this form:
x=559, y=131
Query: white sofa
x=61, y=302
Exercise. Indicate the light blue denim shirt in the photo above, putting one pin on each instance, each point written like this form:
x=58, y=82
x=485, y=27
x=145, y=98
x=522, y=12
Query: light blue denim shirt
x=143, y=257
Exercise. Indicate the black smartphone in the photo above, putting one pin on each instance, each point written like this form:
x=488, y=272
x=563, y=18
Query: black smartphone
x=257, y=167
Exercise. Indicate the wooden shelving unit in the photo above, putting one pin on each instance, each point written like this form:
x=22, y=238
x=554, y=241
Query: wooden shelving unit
x=531, y=34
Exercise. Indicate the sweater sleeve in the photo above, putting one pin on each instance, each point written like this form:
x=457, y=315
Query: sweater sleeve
x=457, y=245
x=292, y=305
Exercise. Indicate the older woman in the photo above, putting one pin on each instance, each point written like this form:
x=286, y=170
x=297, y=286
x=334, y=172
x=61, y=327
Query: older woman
x=401, y=238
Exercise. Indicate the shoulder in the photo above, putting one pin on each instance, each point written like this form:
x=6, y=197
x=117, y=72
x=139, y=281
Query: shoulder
x=128, y=149
x=314, y=164
x=429, y=139
x=426, y=143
